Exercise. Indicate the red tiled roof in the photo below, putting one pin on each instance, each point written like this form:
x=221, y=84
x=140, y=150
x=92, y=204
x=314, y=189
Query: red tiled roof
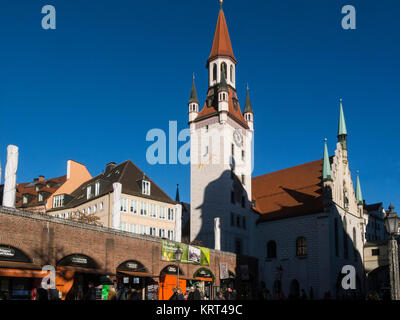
x=290, y=192
x=234, y=113
x=222, y=43
x=30, y=188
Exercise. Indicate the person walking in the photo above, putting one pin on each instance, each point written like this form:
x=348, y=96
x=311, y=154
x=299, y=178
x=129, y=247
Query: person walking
x=91, y=293
x=197, y=294
x=220, y=296
x=173, y=297
x=179, y=294
x=191, y=294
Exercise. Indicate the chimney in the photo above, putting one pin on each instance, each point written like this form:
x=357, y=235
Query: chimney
x=109, y=167
x=41, y=178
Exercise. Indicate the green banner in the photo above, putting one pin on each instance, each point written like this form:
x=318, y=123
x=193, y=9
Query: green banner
x=190, y=254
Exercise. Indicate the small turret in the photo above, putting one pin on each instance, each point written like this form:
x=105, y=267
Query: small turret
x=359, y=196
x=193, y=103
x=342, y=131
x=326, y=169
x=248, y=111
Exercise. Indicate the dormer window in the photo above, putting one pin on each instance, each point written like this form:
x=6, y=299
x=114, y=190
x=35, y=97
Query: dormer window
x=58, y=201
x=40, y=197
x=24, y=199
x=97, y=188
x=88, y=192
x=146, y=187
x=37, y=188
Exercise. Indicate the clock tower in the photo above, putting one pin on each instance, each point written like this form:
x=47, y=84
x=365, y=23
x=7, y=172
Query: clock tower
x=221, y=154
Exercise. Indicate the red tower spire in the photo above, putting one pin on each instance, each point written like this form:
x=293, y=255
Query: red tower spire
x=222, y=43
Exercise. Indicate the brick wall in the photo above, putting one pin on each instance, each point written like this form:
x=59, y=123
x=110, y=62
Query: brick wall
x=47, y=240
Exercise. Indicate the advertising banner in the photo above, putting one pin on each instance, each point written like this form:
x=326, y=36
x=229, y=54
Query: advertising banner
x=190, y=254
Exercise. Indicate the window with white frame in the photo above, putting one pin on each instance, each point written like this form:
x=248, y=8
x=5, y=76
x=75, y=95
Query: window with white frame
x=24, y=199
x=58, y=201
x=143, y=208
x=153, y=213
x=133, y=206
x=124, y=204
x=95, y=208
x=171, y=213
x=170, y=235
x=161, y=212
x=89, y=210
x=88, y=192
x=101, y=206
x=142, y=229
x=161, y=233
x=153, y=231
x=146, y=187
x=133, y=228
x=124, y=226
x=40, y=197
x=97, y=188
x=83, y=211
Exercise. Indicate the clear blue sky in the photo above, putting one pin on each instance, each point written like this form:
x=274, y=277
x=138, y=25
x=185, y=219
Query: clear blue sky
x=112, y=70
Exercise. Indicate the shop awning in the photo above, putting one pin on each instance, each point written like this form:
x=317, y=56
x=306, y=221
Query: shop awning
x=139, y=274
x=22, y=273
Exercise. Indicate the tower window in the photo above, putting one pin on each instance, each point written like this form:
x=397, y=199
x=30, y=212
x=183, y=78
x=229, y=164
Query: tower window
x=233, y=150
x=243, y=155
x=224, y=70
x=232, y=197
x=243, y=179
x=238, y=221
x=231, y=73
x=215, y=72
x=232, y=219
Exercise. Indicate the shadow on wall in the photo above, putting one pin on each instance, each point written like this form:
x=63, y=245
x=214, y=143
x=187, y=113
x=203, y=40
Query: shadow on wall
x=346, y=238
x=221, y=197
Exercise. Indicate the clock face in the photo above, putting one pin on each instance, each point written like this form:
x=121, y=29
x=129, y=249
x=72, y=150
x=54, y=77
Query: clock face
x=238, y=138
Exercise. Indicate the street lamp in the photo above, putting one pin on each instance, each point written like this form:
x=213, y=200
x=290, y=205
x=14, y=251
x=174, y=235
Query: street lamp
x=392, y=227
x=178, y=258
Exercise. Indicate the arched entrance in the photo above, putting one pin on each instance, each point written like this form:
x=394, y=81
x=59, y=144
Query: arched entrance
x=169, y=280
x=18, y=275
x=137, y=281
x=75, y=273
x=204, y=279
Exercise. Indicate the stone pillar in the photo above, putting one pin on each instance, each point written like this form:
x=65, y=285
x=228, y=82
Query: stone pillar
x=217, y=233
x=116, y=208
x=394, y=269
x=10, y=177
x=178, y=223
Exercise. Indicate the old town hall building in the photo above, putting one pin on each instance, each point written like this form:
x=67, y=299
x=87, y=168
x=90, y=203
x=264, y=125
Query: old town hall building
x=303, y=223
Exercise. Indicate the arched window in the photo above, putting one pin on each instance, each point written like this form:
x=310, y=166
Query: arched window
x=336, y=238
x=355, y=244
x=231, y=73
x=345, y=242
x=223, y=70
x=215, y=72
x=271, y=249
x=301, y=247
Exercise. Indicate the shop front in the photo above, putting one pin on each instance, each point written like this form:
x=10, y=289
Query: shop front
x=18, y=275
x=169, y=280
x=135, y=277
x=204, y=279
x=74, y=275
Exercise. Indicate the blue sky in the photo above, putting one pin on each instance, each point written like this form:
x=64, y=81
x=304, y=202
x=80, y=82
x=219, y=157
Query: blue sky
x=91, y=89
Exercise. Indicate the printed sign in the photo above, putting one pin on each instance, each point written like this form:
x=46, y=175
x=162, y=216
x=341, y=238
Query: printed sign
x=223, y=270
x=190, y=254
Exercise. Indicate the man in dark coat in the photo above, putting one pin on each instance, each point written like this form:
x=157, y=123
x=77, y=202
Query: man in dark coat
x=197, y=294
x=91, y=294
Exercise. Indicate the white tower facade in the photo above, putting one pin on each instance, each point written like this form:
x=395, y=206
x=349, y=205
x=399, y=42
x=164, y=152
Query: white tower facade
x=221, y=156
